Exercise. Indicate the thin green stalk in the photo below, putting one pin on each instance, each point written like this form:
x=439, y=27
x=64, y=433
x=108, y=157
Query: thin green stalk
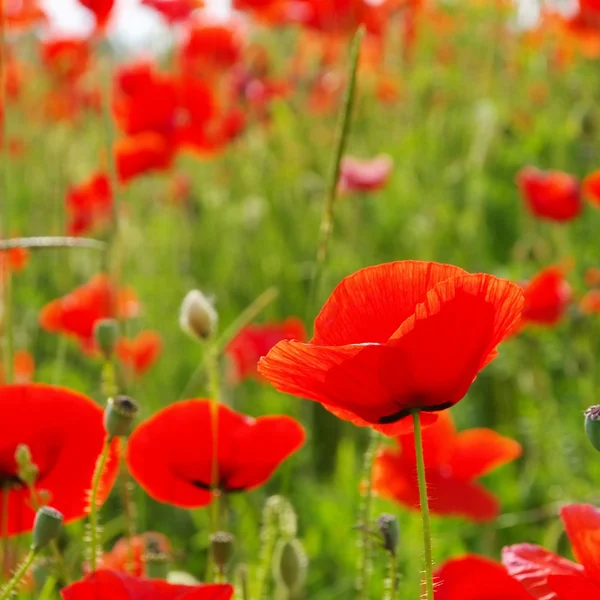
x=93, y=525
x=391, y=589
x=424, y=502
x=343, y=130
x=212, y=371
x=9, y=338
x=129, y=510
x=8, y=590
x=362, y=582
x=5, y=543
x=54, y=241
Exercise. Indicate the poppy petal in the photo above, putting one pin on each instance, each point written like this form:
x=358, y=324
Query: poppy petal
x=582, y=525
x=476, y=578
x=479, y=451
x=369, y=305
x=532, y=565
x=572, y=587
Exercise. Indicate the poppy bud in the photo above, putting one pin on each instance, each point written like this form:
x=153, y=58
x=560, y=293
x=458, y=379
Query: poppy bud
x=106, y=334
x=118, y=416
x=592, y=425
x=290, y=564
x=46, y=527
x=221, y=547
x=27, y=471
x=197, y=316
x=390, y=532
x=156, y=560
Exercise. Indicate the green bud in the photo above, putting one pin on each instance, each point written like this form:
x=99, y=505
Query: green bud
x=221, y=547
x=390, y=532
x=46, y=527
x=119, y=415
x=197, y=317
x=592, y=425
x=106, y=334
x=290, y=564
x=157, y=561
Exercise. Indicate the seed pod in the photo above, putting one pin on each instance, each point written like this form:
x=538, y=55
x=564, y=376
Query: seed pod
x=290, y=564
x=197, y=317
x=46, y=527
x=119, y=415
x=592, y=425
x=390, y=532
x=106, y=334
x=221, y=547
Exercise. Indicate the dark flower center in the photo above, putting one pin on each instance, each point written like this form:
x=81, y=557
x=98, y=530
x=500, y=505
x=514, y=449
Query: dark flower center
x=405, y=412
x=9, y=480
x=223, y=487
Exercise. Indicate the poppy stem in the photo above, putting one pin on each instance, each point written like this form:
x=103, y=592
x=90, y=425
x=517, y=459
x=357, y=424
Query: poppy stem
x=5, y=542
x=9, y=588
x=424, y=503
x=391, y=583
x=93, y=508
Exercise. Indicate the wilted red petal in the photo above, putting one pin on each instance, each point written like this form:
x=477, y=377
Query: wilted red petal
x=574, y=587
x=476, y=578
x=171, y=454
x=582, y=525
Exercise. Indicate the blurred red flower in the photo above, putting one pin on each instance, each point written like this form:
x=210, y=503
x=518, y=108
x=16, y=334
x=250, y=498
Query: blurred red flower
x=23, y=14
x=64, y=431
x=476, y=578
x=453, y=461
x=140, y=353
x=358, y=175
x=547, y=296
x=89, y=204
x=254, y=341
x=171, y=454
x=551, y=195
x=592, y=277
x=143, y=153
x=547, y=576
x=590, y=303
x=395, y=338
x=13, y=260
x=66, y=59
x=591, y=187
x=174, y=11
x=101, y=9
x=23, y=367
x=115, y=585
x=76, y=313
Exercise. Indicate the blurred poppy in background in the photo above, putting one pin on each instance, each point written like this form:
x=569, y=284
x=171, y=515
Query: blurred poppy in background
x=23, y=14
x=174, y=11
x=140, y=353
x=171, y=454
x=101, y=9
x=89, y=204
x=591, y=187
x=140, y=154
x=358, y=175
x=547, y=296
x=64, y=431
x=66, y=59
x=453, y=461
x=397, y=338
x=23, y=367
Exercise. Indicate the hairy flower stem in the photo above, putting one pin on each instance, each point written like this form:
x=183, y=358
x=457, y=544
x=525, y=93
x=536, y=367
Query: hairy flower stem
x=93, y=535
x=364, y=572
x=424, y=502
x=391, y=584
x=8, y=590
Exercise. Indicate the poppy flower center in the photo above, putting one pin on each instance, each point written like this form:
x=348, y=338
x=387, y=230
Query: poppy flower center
x=405, y=412
x=222, y=487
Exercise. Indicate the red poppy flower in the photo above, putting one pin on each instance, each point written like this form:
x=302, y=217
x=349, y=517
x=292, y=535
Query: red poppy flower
x=592, y=276
x=140, y=353
x=174, y=11
x=76, y=313
x=89, y=204
x=476, y=578
x=140, y=154
x=547, y=576
x=453, y=462
x=551, y=195
x=23, y=367
x=171, y=454
x=358, y=175
x=276, y=12
x=13, y=260
x=547, y=296
x=23, y=14
x=101, y=10
x=591, y=188
x=590, y=303
x=395, y=338
x=66, y=59
x=115, y=585
x=254, y=341
x=65, y=433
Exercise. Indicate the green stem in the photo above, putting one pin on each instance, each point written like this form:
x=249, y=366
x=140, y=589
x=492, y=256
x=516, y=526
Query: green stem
x=93, y=525
x=5, y=544
x=424, y=502
x=129, y=510
x=391, y=588
x=18, y=576
x=343, y=130
x=8, y=328
x=362, y=583
x=53, y=241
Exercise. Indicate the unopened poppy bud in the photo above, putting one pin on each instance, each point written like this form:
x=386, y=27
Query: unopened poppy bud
x=290, y=564
x=592, y=425
x=390, y=532
x=221, y=547
x=157, y=561
x=119, y=415
x=197, y=316
x=106, y=334
x=27, y=471
x=46, y=527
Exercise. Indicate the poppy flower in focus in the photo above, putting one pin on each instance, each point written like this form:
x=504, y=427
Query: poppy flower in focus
x=76, y=313
x=106, y=584
x=476, y=578
x=140, y=154
x=548, y=576
x=551, y=195
x=66, y=59
x=23, y=367
x=358, y=175
x=89, y=204
x=174, y=11
x=547, y=296
x=453, y=461
x=141, y=353
x=591, y=188
x=171, y=454
x=101, y=9
x=65, y=433
x=397, y=338
x=254, y=341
